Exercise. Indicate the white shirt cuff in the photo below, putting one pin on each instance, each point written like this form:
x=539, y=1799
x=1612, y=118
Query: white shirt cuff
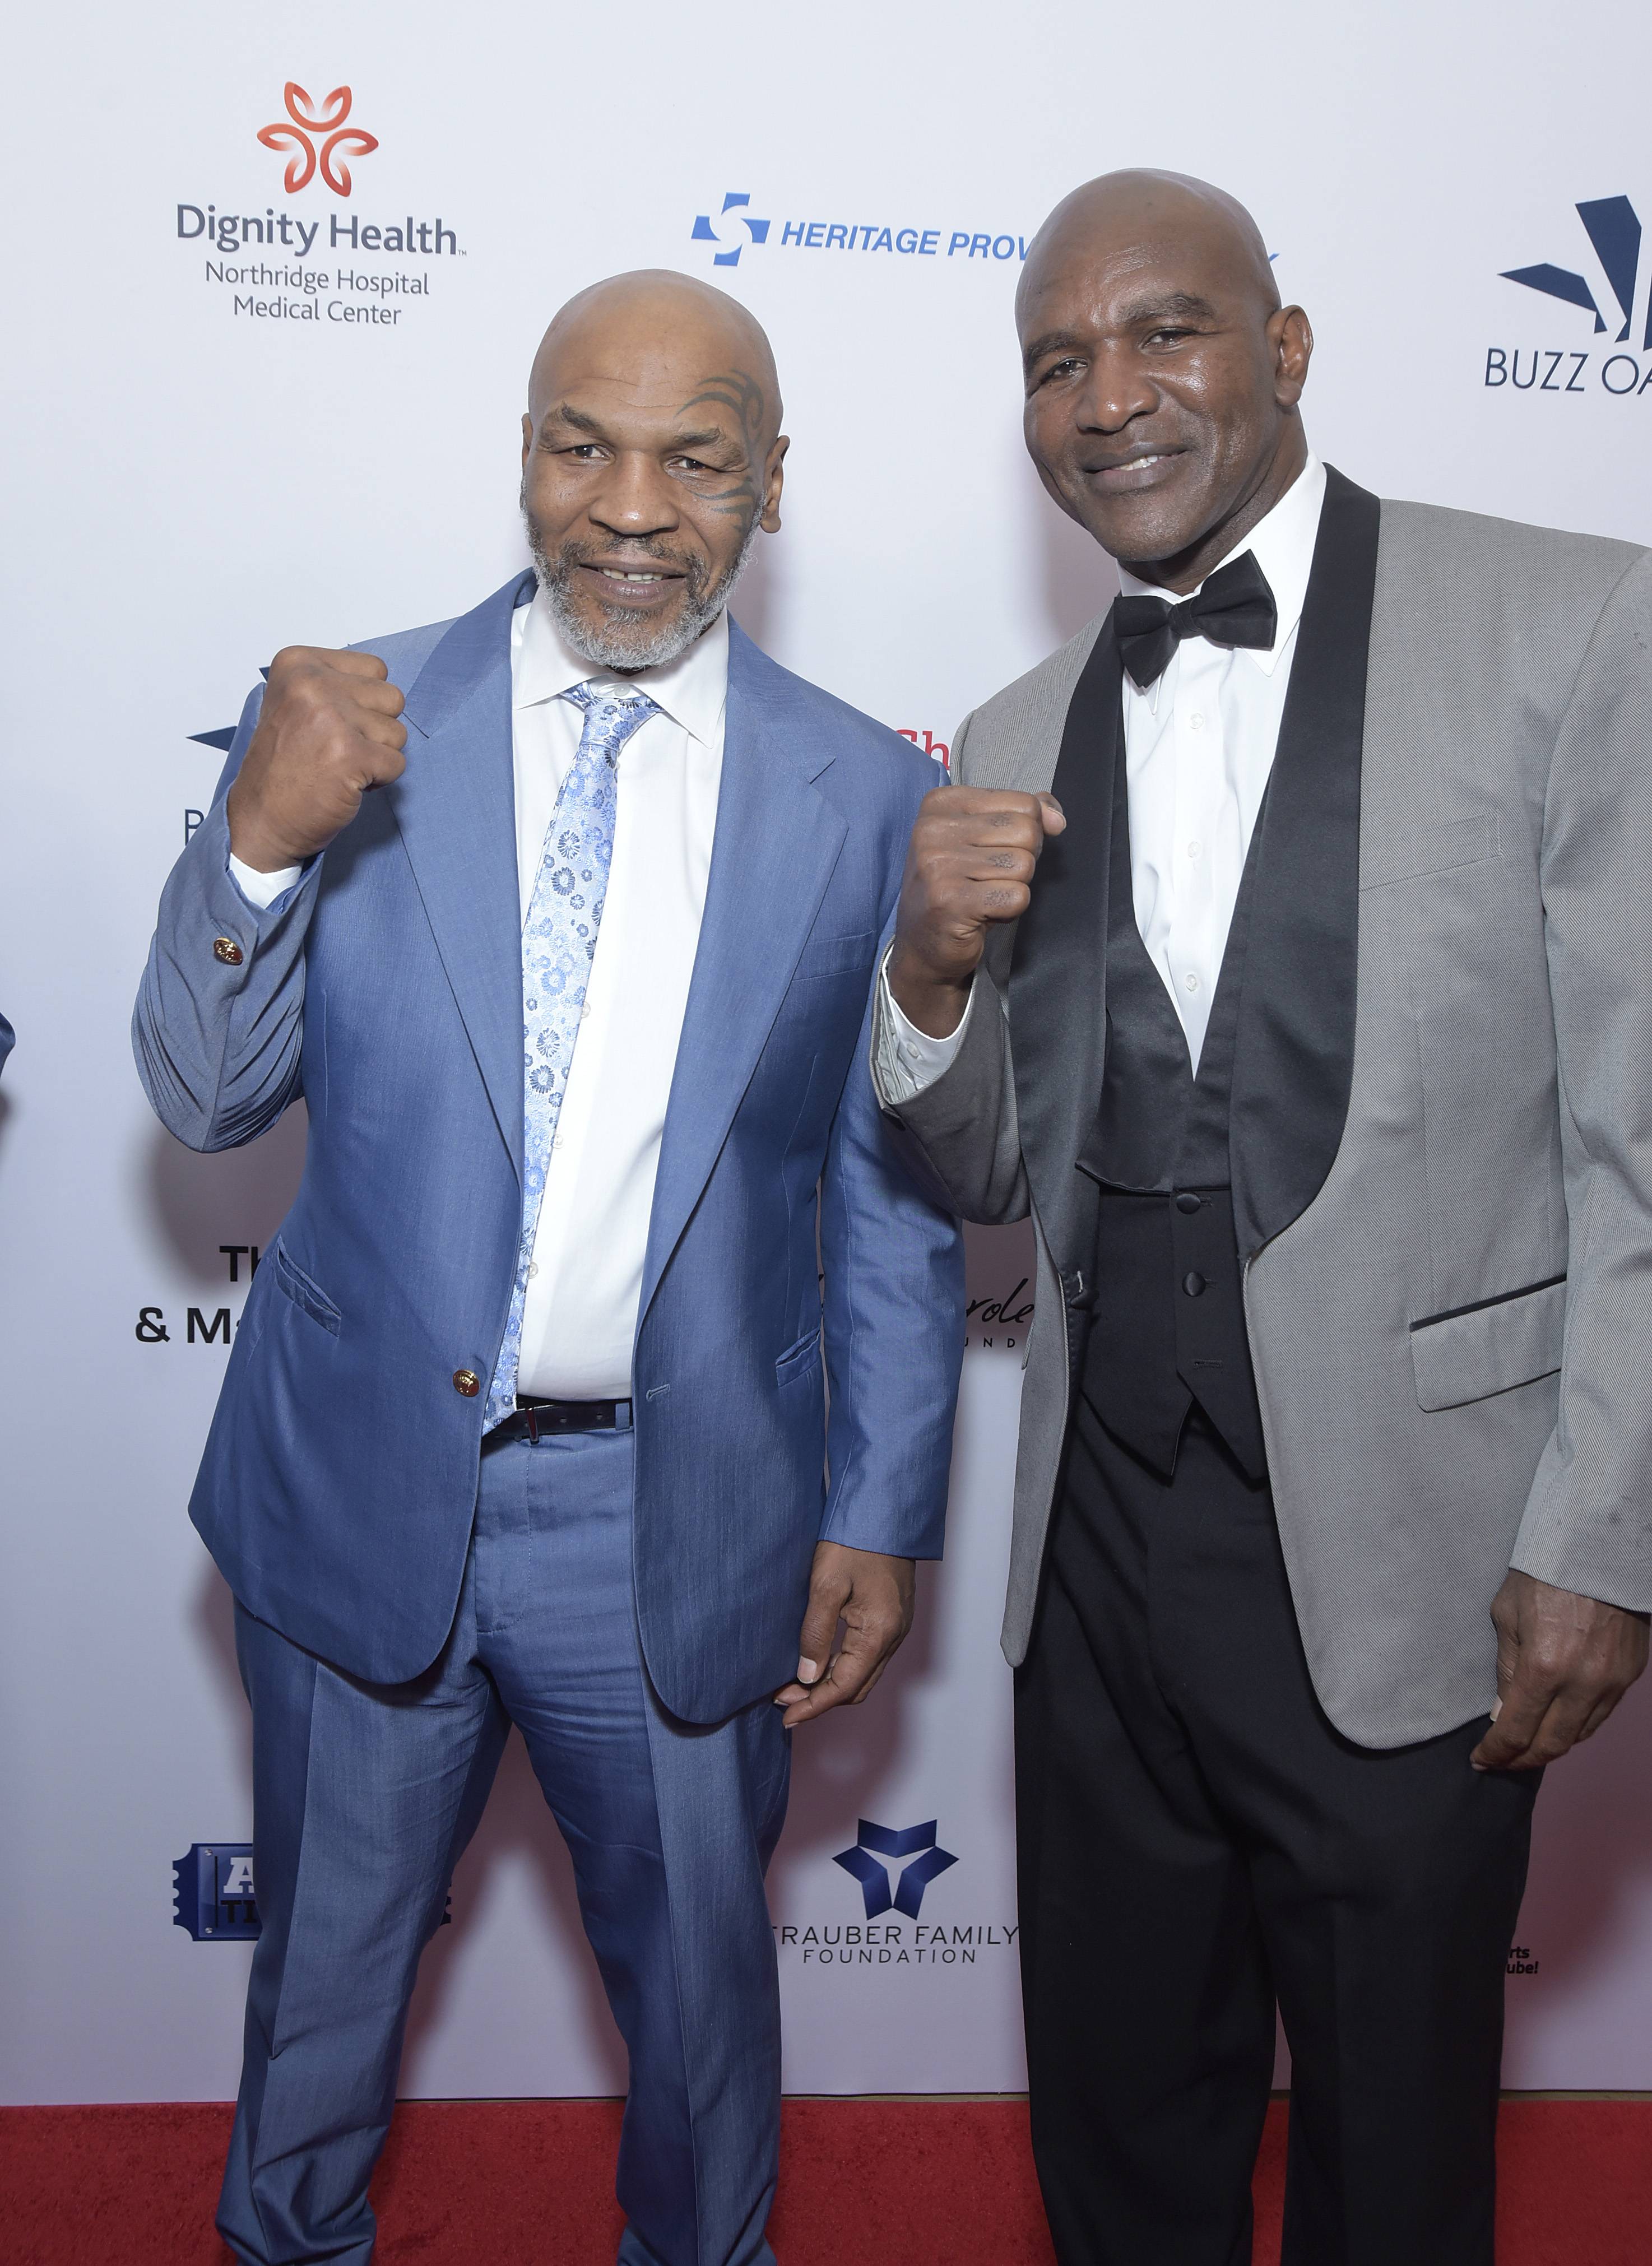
x=261, y=890
x=909, y=1061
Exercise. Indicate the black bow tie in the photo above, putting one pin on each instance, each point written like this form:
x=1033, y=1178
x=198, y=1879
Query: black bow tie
x=1235, y=607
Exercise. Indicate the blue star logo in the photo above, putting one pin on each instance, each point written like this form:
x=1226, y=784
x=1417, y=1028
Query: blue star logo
x=874, y=1845
x=1613, y=227
x=704, y=232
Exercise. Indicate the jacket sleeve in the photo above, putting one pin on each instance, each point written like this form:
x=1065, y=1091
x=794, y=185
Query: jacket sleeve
x=959, y=1133
x=218, y=1027
x=892, y=1255
x=1588, y=1524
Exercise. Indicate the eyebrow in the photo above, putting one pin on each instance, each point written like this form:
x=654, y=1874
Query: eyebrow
x=1172, y=303
x=710, y=437
x=1157, y=309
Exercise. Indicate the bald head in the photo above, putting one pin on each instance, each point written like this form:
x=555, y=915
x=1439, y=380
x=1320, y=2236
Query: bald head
x=652, y=457
x=627, y=322
x=1162, y=374
x=1149, y=208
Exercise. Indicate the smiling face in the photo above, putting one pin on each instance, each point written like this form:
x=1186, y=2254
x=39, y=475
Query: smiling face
x=1162, y=375
x=651, y=458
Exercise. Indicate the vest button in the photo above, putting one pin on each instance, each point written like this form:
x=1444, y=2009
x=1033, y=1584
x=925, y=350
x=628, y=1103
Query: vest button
x=226, y=949
x=1193, y=1284
x=467, y=1382
x=1186, y=1203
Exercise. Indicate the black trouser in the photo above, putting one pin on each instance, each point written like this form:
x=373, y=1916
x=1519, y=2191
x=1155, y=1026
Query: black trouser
x=1197, y=1841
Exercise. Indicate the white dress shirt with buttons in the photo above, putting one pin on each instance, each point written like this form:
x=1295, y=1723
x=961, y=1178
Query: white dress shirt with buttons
x=585, y=1279
x=1198, y=749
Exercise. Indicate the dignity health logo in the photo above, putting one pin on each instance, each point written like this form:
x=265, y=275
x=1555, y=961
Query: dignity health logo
x=263, y=259
x=1611, y=227
x=317, y=138
x=908, y=241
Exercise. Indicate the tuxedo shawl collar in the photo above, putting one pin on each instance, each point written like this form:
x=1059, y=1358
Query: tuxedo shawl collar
x=1294, y=1044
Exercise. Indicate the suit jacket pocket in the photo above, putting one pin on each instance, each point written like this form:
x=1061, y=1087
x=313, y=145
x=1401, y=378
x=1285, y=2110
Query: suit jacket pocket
x=1432, y=850
x=837, y=955
x=799, y=1360
x=1482, y=1349
x=309, y=1295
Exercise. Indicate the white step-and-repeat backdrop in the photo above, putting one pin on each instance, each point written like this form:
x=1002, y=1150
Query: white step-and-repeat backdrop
x=275, y=277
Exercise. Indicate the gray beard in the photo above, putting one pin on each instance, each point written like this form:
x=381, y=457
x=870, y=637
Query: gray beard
x=624, y=643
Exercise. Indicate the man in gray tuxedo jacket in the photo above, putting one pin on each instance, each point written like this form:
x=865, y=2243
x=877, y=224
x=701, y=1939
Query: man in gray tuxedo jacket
x=1317, y=1043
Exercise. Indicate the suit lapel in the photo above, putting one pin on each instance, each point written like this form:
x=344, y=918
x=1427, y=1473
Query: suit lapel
x=776, y=844
x=1293, y=1058
x=456, y=805
x=1057, y=1020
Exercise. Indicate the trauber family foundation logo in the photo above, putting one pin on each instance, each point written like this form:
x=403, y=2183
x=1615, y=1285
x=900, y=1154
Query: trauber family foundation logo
x=317, y=138
x=1612, y=298
x=894, y=1868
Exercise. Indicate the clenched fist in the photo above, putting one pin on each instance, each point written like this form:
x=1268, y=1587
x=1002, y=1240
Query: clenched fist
x=971, y=862
x=328, y=732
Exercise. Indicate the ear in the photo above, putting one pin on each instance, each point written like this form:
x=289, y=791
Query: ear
x=1290, y=336
x=773, y=480
x=527, y=438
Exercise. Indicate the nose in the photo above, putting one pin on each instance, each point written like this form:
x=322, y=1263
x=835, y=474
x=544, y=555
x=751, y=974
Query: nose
x=636, y=500
x=1120, y=388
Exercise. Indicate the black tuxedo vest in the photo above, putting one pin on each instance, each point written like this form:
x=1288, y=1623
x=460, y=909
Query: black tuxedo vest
x=1114, y=1127
x=1167, y=1313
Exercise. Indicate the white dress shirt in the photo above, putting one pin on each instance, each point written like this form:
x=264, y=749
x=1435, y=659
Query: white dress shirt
x=1199, y=747
x=584, y=1278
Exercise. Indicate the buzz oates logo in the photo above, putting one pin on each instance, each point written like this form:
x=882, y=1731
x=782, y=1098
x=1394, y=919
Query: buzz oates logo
x=895, y=1867
x=1609, y=299
x=302, y=263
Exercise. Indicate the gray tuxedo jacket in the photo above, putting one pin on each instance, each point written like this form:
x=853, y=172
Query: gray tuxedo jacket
x=1442, y=1111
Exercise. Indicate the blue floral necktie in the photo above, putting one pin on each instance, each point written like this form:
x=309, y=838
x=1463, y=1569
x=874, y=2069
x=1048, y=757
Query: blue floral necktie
x=559, y=941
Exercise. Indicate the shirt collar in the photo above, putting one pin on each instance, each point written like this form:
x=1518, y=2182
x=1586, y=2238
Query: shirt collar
x=692, y=690
x=1282, y=543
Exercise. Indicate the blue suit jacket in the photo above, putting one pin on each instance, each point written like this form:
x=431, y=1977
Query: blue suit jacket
x=339, y=1476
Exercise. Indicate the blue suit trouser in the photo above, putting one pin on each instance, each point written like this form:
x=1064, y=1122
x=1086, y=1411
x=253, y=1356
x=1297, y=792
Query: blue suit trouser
x=365, y=1796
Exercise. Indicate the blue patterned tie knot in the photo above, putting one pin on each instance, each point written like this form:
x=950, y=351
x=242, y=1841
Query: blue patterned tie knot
x=559, y=943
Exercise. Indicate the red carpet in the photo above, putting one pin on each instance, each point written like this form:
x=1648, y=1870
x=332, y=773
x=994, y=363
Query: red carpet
x=862, y=2183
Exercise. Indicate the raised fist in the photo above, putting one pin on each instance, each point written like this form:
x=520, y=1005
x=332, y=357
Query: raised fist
x=973, y=855
x=329, y=730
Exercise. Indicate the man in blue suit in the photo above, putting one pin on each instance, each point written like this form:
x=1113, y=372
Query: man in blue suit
x=561, y=918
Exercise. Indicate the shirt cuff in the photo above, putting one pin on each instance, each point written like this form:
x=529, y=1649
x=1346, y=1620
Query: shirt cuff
x=910, y=1061
x=261, y=890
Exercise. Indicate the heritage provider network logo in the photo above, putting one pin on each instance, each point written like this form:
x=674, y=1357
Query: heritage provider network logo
x=1617, y=299
x=298, y=266
x=736, y=231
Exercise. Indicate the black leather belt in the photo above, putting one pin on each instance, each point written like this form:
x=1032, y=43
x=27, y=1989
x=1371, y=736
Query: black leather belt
x=534, y=1418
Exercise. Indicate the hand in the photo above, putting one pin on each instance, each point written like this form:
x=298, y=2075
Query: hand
x=872, y=1595
x=327, y=731
x=973, y=854
x=1563, y=1664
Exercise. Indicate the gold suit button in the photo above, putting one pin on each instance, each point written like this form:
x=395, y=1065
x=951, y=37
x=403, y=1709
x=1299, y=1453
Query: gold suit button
x=228, y=950
x=467, y=1382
